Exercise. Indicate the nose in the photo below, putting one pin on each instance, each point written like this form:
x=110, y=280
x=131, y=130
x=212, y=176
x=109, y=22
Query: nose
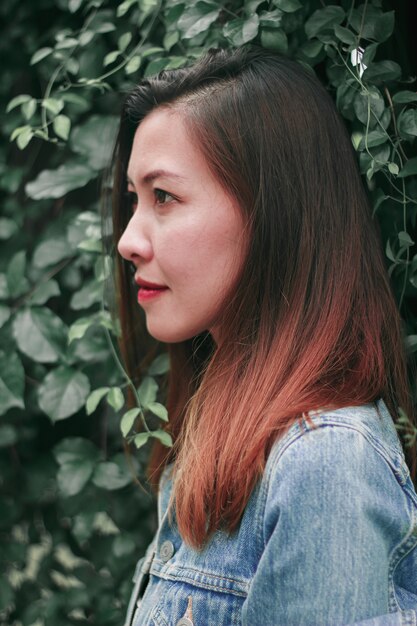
x=135, y=244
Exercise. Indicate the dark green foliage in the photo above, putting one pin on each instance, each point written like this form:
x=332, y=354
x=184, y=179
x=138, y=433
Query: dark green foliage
x=73, y=521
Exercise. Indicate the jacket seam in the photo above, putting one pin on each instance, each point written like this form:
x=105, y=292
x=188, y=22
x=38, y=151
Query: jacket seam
x=399, y=553
x=277, y=456
x=184, y=574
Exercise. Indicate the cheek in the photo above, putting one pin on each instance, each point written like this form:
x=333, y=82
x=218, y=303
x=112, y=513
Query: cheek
x=206, y=247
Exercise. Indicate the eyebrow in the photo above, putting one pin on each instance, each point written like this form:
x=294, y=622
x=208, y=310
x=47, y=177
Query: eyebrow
x=150, y=176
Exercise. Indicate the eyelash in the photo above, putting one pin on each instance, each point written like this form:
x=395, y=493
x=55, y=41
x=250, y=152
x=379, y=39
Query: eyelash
x=133, y=198
x=158, y=191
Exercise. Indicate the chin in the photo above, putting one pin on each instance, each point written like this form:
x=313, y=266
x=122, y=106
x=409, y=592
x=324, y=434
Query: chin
x=172, y=335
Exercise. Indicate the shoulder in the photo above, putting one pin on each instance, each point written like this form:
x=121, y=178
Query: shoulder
x=346, y=435
x=337, y=464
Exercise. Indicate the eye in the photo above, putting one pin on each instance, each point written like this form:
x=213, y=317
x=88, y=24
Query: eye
x=162, y=197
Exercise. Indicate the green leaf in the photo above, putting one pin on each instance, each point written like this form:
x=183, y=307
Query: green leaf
x=345, y=35
x=323, y=20
x=311, y=49
x=64, y=44
x=383, y=26
x=94, y=399
x=374, y=138
x=24, y=138
x=53, y=105
x=50, y=252
x=240, y=31
x=105, y=27
x=86, y=37
x=151, y=51
x=407, y=123
x=15, y=275
x=17, y=101
x=5, y=313
x=8, y=227
x=78, y=329
x=124, y=7
x=62, y=126
x=164, y=437
x=18, y=131
x=404, y=97
x=123, y=546
x=72, y=477
x=44, y=292
x=39, y=334
x=72, y=66
x=411, y=344
x=369, y=54
x=40, y=54
x=57, y=183
x=288, y=6
x=133, y=65
x=95, y=139
x=74, y=450
x=159, y=366
x=91, y=293
x=393, y=168
x=147, y=391
x=102, y=268
x=405, y=239
x=141, y=439
x=382, y=71
x=63, y=392
x=159, y=410
x=197, y=18
x=7, y=594
x=170, y=39
x=116, y=398
x=90, y=245
x=8, y=435
x=29, y=108
x=274, y=39
x=12, y=382
x=111, y=476
x=155, y=66
x=111, y=57
x=124, y=41
x=74, y=5
x=409, y=169
x=369, y=104
x=128, y=420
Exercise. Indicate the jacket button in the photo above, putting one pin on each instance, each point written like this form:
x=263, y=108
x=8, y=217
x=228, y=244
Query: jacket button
x=184, y=621
x=166, y=552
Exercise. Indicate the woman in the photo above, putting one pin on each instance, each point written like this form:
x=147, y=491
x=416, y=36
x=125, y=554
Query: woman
x=286, y=499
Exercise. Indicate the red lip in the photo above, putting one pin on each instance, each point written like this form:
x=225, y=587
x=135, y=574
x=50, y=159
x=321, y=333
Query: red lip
x=148, y=285
x=147, y=290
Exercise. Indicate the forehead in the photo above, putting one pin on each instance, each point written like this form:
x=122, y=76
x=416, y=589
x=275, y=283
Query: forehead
x=163, y=141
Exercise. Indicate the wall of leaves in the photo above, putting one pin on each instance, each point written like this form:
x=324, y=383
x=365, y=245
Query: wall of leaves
x=73, y=518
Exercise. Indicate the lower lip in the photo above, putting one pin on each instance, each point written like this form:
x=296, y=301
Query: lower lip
x=144, y=295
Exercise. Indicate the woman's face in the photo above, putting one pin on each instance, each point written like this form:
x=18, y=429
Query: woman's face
x=186, y=234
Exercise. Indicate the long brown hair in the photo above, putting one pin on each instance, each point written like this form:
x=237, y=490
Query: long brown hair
x=312, y=322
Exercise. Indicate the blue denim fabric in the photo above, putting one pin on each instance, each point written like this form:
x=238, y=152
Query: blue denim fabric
x=328, y=538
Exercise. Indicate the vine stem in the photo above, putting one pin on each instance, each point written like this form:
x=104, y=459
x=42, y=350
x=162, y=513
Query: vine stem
x=407, y=261
x=123, y=371
x=122, y=64
x=394, y=120
x=57, y=72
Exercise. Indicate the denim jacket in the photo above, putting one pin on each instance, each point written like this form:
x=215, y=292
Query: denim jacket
x=328, y=538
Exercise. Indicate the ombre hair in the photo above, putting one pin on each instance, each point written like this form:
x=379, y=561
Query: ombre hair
x=311, y=324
